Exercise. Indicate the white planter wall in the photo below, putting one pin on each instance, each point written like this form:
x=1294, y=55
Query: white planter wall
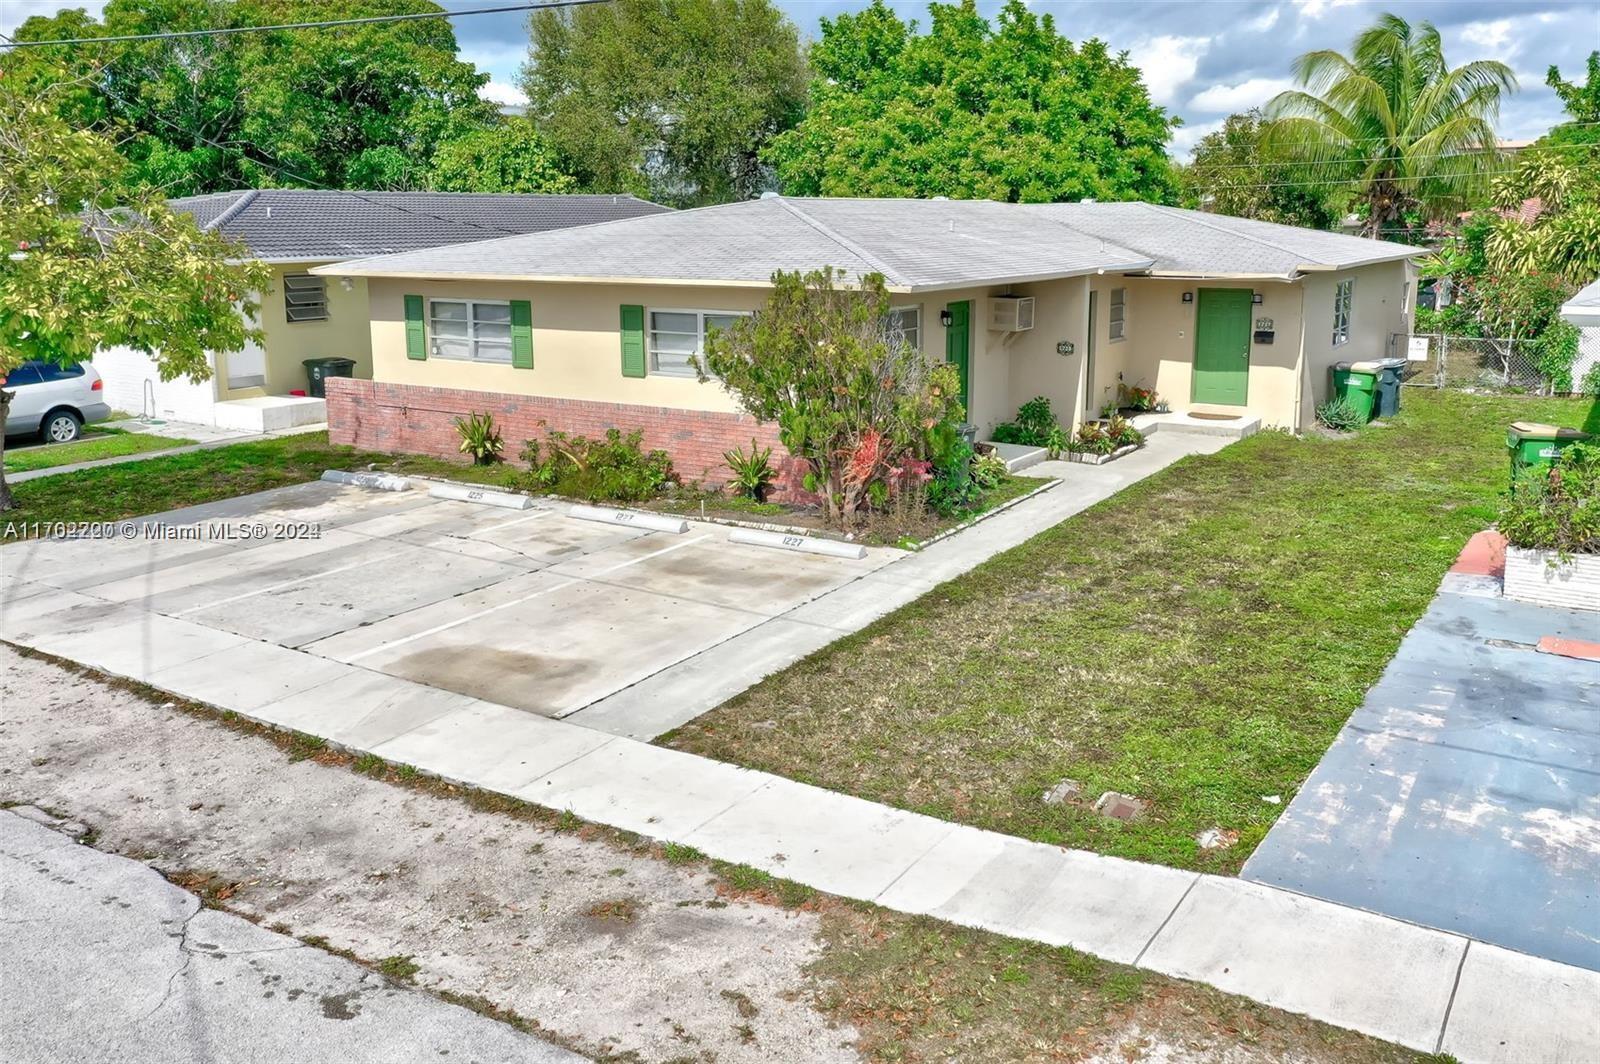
x=1574, y=584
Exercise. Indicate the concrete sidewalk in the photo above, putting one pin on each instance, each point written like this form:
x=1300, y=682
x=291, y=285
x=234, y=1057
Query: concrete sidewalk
x=105, y=961
x=1420, y=987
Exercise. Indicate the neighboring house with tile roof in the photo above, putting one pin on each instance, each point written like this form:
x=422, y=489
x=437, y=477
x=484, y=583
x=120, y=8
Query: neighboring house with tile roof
x=583, y=329
x=303, y=316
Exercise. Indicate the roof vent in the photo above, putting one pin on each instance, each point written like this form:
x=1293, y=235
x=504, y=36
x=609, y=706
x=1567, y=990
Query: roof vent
x=1087, y=199
x=941, y=199
x=769, y=195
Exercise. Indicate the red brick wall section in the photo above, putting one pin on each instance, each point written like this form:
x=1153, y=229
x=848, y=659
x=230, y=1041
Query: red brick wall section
x=409, y=418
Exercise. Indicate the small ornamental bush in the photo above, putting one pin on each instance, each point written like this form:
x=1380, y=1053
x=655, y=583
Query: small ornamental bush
x=1340, y=415
x=612, y=469
x=1559, y=512
x=752, y=471
x=479, y=438
x=1104, y=437
x=1033, y=427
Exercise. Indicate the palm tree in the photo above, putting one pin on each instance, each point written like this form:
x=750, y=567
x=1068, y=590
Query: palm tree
x=1393, y=121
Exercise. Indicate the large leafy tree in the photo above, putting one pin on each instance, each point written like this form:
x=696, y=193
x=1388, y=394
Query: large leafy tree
x=1411, y=135
x=973, y=110
x=355, y=107
x=508, y=156
x=1233, y=173
x=1582, y=103
x=89, y=265
x=670, y=99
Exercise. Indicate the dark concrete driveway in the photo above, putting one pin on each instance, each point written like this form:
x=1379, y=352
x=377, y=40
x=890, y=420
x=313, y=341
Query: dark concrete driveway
x=1465, y=793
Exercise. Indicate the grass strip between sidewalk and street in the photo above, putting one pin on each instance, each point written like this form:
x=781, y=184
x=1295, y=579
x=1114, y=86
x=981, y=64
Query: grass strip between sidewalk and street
x=1197, y=640
x=95, y=445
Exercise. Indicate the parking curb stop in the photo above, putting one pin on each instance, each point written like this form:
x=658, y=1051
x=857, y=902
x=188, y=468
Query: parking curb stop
x=486, y=496
x=833, y=548
x=631, y=518
x=377, y=481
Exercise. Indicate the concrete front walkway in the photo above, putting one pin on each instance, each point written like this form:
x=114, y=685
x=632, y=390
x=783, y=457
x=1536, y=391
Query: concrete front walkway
x=678, y=694
x=105, y=961
x=1420, y=987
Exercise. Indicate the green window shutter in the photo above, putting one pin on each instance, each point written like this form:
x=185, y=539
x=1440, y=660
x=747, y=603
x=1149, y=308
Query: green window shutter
x=416, y=341
x=521, y=334
x=632, y=341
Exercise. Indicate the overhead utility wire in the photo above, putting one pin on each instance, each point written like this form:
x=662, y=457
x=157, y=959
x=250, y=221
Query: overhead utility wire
x=226, y=30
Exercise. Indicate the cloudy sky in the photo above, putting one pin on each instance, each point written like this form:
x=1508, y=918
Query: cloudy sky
x=1203, y=59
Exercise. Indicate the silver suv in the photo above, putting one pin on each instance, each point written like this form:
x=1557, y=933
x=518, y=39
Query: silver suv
x=54, y=401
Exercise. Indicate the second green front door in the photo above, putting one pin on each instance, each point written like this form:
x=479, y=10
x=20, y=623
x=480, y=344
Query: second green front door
x=958, y=347
x=1222, y=346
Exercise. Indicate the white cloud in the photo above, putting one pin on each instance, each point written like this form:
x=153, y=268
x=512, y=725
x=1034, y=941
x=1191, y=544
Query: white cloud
x=1186, y=137
x=1240, y=97
x=1167, y=62
x=1491, y=35
x=501, y=93
x=1318, y=8
x=1264, y=22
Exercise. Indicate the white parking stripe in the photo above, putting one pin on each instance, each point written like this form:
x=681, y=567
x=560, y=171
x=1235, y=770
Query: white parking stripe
x=513, y=521
x=278, y=587
x=436, y=629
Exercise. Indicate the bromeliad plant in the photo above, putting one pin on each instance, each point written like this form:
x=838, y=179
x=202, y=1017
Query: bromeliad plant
x=480, y=439
x=1105, y=437
x=850, y=398
x=753, y=472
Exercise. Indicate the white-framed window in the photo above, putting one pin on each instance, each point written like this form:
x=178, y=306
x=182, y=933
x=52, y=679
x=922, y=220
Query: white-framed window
x=1118, y=317
x=476, y=330
x=305, y=297
x=1343, y=296
x=906, y=322
x=678, y=336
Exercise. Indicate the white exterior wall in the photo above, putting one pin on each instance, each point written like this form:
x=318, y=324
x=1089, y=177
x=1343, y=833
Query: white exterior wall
x=131, y=375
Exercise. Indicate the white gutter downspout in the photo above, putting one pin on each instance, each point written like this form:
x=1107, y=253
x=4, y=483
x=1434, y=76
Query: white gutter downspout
x=1300, y=363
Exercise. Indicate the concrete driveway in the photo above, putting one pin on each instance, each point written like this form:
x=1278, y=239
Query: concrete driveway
x=532, y=609
x=1465, y=793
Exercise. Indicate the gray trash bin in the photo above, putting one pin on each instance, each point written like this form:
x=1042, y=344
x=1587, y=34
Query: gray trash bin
x=1388, y=398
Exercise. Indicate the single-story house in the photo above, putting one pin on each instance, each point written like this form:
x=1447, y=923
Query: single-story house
x=1583, y=310
x=303, y=315
x=594, y=327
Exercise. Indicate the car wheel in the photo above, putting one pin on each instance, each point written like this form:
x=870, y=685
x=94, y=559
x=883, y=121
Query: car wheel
x=61, y=426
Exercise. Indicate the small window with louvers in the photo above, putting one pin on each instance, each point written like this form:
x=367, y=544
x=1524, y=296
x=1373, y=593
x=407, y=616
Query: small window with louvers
x=305, y=298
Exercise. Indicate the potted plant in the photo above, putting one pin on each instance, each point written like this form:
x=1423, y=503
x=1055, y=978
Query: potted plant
x=1552, y=529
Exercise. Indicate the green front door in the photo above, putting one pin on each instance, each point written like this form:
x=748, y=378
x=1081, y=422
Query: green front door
x=1222, y=346
x=958, y=346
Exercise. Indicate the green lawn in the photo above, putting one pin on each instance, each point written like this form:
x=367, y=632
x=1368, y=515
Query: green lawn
x=131, y=489
x=1196, y=640
x=96, y=443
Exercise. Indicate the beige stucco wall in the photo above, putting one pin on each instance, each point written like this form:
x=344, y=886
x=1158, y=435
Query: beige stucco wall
x=577, y=352
x=1376, y=317
x=345, y=334
x=1061, y=313
x=1158, y=350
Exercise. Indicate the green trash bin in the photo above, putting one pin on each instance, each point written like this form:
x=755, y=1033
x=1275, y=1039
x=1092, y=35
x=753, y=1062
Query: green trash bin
x=1358, y=383
x=318, y=370
x=1534, y=447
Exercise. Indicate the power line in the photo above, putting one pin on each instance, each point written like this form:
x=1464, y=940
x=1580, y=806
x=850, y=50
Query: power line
x=1412, y=158
x=227, y=30
x=283, y=171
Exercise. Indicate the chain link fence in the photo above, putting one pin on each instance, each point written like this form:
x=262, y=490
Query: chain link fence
x=1474, y=363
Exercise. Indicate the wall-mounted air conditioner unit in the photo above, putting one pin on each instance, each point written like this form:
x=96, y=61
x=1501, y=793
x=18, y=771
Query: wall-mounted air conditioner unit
x=1011, y=313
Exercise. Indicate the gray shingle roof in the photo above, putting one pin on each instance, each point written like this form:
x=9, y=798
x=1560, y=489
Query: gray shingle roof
x=1587, y=296
x=297, y=225
x=1192, y=242
x=915, y=244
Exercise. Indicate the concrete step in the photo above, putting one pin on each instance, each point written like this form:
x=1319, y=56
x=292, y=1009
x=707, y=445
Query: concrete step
x=270, y=413
x=1018, y=456
x=1246, y=424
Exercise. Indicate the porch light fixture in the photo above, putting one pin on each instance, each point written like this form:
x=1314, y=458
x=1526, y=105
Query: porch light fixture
x=1188, y=297
x=1255, y=297
x=946, y=318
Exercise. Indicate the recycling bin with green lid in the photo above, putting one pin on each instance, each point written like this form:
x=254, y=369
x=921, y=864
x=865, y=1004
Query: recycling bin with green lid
x=318, y=370
x=1534, y=447
x=1387, y=401
x=1357, y=384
